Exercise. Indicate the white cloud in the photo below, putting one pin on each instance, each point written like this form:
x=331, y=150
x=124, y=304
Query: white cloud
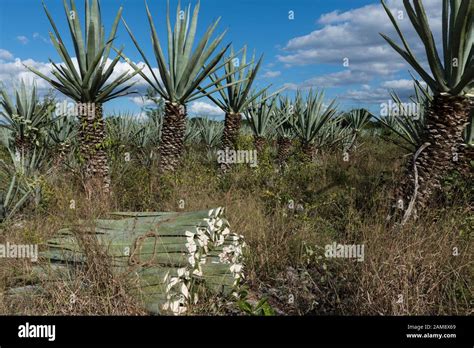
x=271, y=74
x=203, y=108
x=23, y=39
x=38, y=36
x=290, y=86
x=141, y=101
x=6, y=55
x=354, y=34
x=401, y=84
x=341, y=78
x=381, y=94
x=13, y=71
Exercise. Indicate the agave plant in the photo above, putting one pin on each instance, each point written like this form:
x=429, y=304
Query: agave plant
x=236, y=98
x=26, y=118
x=61, y=135
x=122, y=128
x=333, y=133
x=285, y=130
x=451, y=81
x=356, y=120
x=311, y=116
x=13, y=199
x=193, y=132
x=23, y=172
x=407, y=127
x=210, y=132
x=261, y=117
x=88, y=83
x=180, y=77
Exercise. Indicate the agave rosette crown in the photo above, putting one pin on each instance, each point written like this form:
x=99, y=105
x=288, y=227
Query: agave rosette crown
x=311, y=115
x=181, y=75
x=453, y=75
x=86, y=81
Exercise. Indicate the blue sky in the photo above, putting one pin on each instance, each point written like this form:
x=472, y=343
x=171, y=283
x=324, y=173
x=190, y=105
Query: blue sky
x=307, y=51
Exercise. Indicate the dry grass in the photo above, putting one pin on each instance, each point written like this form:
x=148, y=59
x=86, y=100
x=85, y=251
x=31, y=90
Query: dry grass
x=409, y=270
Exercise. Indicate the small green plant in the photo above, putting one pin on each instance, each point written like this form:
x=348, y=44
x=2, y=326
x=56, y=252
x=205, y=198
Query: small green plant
x=261, y=308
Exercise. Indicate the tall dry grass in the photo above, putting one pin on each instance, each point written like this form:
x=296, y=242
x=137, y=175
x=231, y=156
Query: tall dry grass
x=406, y=270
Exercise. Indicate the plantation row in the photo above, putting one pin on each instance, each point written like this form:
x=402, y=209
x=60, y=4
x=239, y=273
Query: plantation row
x=36, y=137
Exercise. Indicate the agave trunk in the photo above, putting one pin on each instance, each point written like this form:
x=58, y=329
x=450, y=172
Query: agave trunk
x=309, y=151
x=23, y=145
x=172, y=136
x=465, y=158
x=231, y=134
x=61, y=153
x=446, y=118
x=284, y=149
x=259, y=143
x=92, y=138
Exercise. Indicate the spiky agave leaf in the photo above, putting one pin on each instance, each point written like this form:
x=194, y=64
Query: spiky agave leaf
x=357, y=119
x=13, y=198
x=27, y=118
x=261, y=116
x=63, y=130
x=456, y=75
x=312, y=114
x=210, y=131
x=181, y=75
x=285, y=116
x=88, y=81
x=406, y=126
x=332, y=133
x=239, y=78
x=193, y=132
x=122, y=128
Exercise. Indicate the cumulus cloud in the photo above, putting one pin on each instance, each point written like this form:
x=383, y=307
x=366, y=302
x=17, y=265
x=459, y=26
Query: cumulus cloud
x=38, y=36
x=12, y=71
x=270, y=74
x=141, y=101
x=203, y=108
x=380, y=93
x=341, y=78
x=5, y=55
x=401, y=84
x=354, y=35
x=23, y=39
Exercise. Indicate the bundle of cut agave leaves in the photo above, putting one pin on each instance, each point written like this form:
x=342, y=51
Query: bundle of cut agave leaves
x=169, y=255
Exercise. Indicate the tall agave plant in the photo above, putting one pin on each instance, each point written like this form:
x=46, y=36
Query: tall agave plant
x=261, y=117
x=451, y=81
x=407, y=128
x=312, y=115
x=356, y=120
x=285, y=131
x=235, y=99
x=88, y=83
x=181, y=76
x=26, y=118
